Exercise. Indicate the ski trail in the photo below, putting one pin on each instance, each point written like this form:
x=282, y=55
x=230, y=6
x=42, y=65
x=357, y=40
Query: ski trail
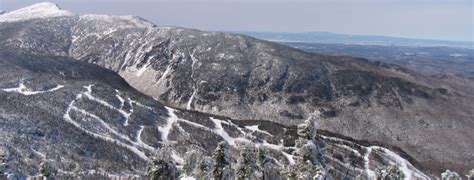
x=139, y=140
x=122, y=101
x=219, y=130
x=169, y=124
x=22, y=89
x=129, y=144
x=410, y=171
x=255, y=128
x=370, y=173
x=126, y=115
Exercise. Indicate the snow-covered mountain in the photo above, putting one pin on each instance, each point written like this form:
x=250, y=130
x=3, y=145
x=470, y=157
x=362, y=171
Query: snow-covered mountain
x=61, y=81
x=40, y=10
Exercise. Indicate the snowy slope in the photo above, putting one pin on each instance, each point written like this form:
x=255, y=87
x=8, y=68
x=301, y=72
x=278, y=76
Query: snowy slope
x=40, y=10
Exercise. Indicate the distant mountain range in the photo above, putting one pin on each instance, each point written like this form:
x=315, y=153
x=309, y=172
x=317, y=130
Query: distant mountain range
x=327, y=37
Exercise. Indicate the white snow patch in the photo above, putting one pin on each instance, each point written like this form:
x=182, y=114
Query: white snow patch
x=118, y=21
x=165, y=131
x=219, y=130
x=40, y=154
x=22, y=89
x=255, y=128
x=36, y=11
x=122, y=101
x=289, y=157
x=177, y=158
x=163, y=76
x=370, y=173
x=194, y=60
x=139, y=140
x=406, y=167
x=188, y=105
x=187, y=178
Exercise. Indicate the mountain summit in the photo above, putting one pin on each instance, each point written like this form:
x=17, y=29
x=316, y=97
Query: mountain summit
x=40, y=10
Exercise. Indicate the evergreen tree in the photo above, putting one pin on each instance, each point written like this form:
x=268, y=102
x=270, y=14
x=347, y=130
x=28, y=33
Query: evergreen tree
x=44, y=169
x=308, y=154
x=161, y=167
x=205, y=168
x=192, y=161
x=222, y=162
x=450, y=175
x=2, y=165
x=391, y=172
x=247, y=167
x=471, y=175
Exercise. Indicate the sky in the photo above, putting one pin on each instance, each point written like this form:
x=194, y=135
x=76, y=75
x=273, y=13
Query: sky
x=424, y=19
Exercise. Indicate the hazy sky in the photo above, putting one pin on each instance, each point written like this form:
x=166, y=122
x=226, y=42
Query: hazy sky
x=428, y=19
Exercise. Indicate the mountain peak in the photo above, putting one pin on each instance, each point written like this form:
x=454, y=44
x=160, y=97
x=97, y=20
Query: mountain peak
x=35, y=11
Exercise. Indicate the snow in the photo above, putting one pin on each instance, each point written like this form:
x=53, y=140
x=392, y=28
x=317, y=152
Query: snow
x=126, y=115
x=188, y=105
x=165, y=131
x=370, y=173
x=255, y=128
x=289, y=157
x=139, y=140
x=167, y=71
x=393, y=158
x=177, y=158
x=40, y=154
x=117, y=21
x=36, y=11
x=219, y=130
x=129, y=144
x=143, y=68
x=194, y=60
x=404, y=165
x=22, y=89
x=122, y=101
x=187, y=178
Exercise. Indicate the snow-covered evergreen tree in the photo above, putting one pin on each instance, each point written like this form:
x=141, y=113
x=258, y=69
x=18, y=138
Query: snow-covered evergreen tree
x=222, y=162
x=44, y=169
x=309, y=156
x=391, y=172
x=247, y=167
x=192, y=161
x=266, y=166
x=2, y=165
x=470, y=176
x=450, y=175
x=161, y=167
x=205, y=168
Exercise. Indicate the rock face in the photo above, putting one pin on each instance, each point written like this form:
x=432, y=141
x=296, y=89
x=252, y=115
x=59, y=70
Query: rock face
x=243, y=78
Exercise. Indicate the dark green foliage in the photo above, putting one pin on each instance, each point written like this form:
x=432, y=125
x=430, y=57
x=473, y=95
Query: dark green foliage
x=161, y=167
x=44, y=169
x=222, y=162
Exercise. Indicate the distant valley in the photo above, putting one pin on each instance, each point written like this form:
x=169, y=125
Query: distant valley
x=425, y=60
x=429, y=57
